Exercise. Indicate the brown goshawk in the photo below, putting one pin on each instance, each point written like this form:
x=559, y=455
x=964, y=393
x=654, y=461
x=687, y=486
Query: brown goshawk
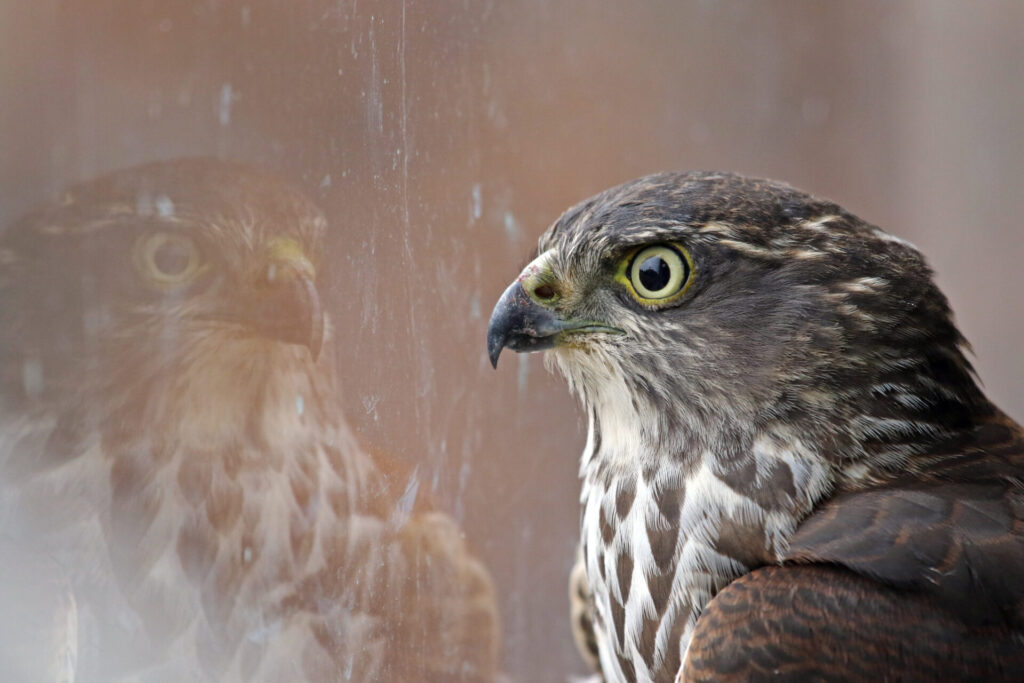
x=790, y=471
x=181, y=498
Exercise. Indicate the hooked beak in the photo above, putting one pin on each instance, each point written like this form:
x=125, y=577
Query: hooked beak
x=284, y=303
x=522, y=324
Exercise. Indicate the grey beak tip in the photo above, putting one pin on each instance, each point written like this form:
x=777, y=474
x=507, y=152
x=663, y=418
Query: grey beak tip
x=500, y=324
x=495, y=343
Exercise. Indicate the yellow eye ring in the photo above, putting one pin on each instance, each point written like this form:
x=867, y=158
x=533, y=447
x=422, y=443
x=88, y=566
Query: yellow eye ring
x=658, y=274
x=168, y=259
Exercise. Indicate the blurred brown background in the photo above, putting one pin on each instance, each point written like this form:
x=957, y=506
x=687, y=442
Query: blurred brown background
x=443, y=137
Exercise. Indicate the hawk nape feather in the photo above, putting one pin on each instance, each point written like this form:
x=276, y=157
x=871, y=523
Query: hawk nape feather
x=181, y=498
x=790, y=472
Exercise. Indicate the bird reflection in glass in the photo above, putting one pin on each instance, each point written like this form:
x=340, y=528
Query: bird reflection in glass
x=176, y=469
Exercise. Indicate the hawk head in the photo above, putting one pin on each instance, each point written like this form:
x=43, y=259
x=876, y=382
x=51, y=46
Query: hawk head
x=694, y=310
x=187, y=283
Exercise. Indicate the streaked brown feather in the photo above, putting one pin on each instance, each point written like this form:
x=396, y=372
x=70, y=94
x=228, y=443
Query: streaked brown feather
x=955, y=533
x=824, y=623
x=920, y=578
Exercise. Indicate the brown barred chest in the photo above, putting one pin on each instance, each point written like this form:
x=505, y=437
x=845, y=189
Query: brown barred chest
x=660, y=542
x=202, y=540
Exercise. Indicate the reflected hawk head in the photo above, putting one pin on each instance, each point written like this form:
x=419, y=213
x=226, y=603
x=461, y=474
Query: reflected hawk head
x=188, y=263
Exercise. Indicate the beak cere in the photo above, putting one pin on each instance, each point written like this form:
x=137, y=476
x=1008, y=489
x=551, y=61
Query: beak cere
x=285, y=304
x=521, y=324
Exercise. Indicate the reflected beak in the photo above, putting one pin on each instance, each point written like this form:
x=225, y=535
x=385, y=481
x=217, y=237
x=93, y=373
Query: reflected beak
x=522, y=324
x=285, y=303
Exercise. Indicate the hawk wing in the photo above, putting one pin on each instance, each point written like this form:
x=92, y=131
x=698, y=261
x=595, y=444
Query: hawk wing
x=917, y=579
x=825, y=623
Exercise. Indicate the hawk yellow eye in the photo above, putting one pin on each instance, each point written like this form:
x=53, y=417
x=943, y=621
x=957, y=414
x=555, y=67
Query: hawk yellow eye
x=168, y=259
x=658, y=274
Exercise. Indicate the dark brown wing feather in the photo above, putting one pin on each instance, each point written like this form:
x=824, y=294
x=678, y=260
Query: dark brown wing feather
x=821, y=623
x=956, y=535
x=921, y=578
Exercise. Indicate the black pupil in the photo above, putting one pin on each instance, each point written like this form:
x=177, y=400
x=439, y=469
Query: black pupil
x=655, y=274
x=172, y=258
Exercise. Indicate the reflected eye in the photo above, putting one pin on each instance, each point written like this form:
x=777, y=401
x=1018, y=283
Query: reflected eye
x=658, y=273
x=168, y=259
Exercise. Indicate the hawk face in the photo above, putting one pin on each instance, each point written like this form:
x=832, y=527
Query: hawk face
x=182, y=286
x=742, y=350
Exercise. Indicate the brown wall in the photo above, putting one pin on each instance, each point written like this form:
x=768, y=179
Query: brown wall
x=454, y=132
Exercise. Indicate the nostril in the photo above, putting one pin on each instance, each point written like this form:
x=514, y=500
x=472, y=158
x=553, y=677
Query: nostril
x=544, y=292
